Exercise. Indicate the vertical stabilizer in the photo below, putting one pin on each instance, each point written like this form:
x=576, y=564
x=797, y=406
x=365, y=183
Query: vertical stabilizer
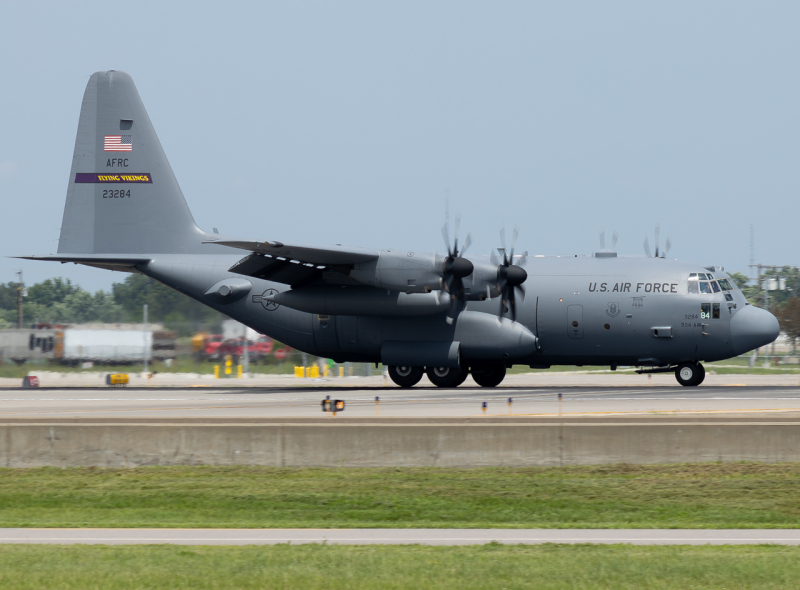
x=122, y=195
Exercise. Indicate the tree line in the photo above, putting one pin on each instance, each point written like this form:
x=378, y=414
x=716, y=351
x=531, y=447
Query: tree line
x=783, y=303
x=59, y=301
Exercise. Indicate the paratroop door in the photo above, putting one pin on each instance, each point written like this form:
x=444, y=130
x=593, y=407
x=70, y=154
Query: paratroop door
x=575, y=321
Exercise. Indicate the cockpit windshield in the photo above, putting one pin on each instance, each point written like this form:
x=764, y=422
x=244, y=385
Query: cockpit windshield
x=701, y=282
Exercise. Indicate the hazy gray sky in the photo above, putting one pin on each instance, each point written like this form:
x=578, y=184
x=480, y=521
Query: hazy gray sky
x=343, y=122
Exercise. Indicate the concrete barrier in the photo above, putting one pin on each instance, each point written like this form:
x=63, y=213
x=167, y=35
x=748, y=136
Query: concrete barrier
x=396, y=444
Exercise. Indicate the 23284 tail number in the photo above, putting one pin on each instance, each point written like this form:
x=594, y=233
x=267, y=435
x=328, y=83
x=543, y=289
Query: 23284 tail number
x=114, y=193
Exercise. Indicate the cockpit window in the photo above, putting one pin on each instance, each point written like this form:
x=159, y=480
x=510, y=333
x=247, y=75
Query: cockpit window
x=702, y=282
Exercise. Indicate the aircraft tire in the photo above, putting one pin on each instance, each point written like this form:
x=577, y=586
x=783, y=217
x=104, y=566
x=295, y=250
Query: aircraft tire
x=406, y=376
x=690, y=374
x=446, y=376
x=489, y=375
x=701, y=374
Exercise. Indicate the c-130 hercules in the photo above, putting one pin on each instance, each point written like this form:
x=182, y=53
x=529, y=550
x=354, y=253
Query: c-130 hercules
x=447, y=315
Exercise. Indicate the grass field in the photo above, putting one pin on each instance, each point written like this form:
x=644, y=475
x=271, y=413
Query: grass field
x=310, y=567
x=744, y=495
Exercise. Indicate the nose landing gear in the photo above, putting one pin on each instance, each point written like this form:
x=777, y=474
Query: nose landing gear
x=690, y=374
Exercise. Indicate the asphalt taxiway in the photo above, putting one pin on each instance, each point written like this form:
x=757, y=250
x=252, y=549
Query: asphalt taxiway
x=235, y=404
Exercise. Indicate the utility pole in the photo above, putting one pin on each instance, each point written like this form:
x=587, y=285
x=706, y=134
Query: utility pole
x=146, y=351
x=19, y=299
x=246, y=368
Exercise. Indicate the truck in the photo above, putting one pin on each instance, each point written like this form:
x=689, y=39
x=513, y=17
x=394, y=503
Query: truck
x=99, y=343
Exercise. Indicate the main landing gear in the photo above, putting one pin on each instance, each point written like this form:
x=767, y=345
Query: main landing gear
x=488, y=375
x=690, y=374
x=484, y=375
x=406, y=376
x=446, y=376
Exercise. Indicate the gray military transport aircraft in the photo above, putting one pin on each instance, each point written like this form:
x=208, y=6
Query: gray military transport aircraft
x=446, y=315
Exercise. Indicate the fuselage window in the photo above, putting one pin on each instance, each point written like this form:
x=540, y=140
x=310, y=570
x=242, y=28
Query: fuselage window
x=726, y=286
x=704, y=287
x=728, y=297
x=715, y=286
x=715, y=312
x=705, y=311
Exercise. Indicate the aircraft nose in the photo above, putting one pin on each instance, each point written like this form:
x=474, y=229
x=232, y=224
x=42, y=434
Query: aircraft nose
x=752, y=327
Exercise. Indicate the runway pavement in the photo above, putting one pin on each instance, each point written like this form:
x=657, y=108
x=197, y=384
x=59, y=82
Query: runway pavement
x=399, y=536
x=235, y=404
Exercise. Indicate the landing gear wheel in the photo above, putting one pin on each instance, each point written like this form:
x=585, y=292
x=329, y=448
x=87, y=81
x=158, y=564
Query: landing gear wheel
x=405, y=376
x=701, y=374
x=446, y=376
x=690, y=374
x=488, y=375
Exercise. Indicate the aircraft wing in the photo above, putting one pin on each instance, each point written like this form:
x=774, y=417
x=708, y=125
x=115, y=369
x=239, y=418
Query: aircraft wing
x=297, y=264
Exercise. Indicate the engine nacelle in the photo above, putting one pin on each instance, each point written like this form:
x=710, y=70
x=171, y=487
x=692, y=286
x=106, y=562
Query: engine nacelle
x=395, y=270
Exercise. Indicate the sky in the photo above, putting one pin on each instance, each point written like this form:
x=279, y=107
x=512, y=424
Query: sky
x=353, y=122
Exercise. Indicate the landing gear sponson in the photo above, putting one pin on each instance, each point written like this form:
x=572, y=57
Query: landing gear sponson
x=484, y=375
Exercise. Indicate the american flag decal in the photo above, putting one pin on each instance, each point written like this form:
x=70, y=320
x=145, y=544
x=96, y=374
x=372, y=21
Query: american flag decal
x=117, y=143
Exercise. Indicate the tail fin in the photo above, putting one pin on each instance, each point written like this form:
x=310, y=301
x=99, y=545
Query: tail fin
x=122, y=195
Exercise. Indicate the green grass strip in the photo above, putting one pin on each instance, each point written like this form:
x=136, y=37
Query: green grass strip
x=310, y=567
x=731, y=495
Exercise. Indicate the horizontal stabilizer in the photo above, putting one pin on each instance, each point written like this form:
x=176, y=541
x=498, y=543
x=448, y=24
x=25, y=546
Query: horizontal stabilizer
x=106, y=261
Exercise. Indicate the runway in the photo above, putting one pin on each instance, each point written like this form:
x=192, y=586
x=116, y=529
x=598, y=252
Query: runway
x=399, y=536
x=235, y=404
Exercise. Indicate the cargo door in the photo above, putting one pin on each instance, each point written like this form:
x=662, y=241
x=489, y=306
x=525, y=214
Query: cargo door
x=575, y=321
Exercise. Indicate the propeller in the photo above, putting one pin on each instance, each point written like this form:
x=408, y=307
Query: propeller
x=510, y=276
x=456, y=268
x=614, y=238
x=659, y=253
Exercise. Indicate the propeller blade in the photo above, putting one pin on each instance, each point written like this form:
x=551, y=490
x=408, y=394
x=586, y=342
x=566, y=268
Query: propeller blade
x=467, y=242
x=667, y=246
x=522, y=291
x=603, y=240
x=647, y=247
x=658, y=239
x=453, y=311
x=493, y=258
x=446, y=237
x=523, y=259
x=458, y=225
x=614, y=237
x=514, y=237
x=503, y=238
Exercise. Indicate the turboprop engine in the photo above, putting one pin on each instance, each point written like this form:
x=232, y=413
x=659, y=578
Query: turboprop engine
x=409, y=272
